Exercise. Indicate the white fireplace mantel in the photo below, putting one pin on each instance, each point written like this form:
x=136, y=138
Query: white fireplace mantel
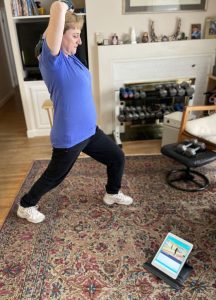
x=151, y=62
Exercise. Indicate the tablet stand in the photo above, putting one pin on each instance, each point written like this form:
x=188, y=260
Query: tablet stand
x=174, y=283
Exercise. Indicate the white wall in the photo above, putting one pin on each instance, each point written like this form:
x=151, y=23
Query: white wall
x=107, y=17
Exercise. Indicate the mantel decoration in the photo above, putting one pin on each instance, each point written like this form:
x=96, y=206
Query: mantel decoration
x=210, y=28
x=176, y=36
x=152, y=6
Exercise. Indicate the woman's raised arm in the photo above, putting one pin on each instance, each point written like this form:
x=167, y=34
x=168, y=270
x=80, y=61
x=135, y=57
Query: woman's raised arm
x=55, y=29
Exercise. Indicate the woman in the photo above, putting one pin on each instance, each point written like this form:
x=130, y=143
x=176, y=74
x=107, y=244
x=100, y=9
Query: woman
x=74, y=125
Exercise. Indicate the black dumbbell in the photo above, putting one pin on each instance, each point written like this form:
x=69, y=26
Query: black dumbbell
x=142, y=94
x=132, y=109
x=159, y=114
x=141, y=115
x=190, y=90
x=136, y=95
x=126, y=109
x=168, y=86
x=184, y=84
x=147, y=114
x=138, y=108
x=121, y=116
x=158, y=87
x=140, y=112
x=150, y=110
x=123, y=93
x=181, y=91
x=193, y=151
x=135, y=116
x=163, y=107
x=172, y=92
x=181, y=148
x=163, y=92
x=130, y=93
x=128, y=116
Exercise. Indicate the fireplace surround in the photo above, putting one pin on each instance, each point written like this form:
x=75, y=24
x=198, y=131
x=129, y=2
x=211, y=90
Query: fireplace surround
x=121, y=64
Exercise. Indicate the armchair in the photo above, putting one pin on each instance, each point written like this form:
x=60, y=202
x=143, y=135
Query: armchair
x=202, y=128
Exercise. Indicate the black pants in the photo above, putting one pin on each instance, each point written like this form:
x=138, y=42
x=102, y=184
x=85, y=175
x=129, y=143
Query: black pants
x=99, y=146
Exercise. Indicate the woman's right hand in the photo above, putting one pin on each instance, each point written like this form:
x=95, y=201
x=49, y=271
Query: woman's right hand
x=69, y=4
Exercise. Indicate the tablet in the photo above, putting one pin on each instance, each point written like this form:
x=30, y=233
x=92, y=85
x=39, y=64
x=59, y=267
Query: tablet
x=172, y=255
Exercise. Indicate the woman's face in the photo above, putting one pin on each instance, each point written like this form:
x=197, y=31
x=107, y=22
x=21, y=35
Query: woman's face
x=71, y=40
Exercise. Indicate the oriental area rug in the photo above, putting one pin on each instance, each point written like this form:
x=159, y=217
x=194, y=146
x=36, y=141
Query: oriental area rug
x=86, y=250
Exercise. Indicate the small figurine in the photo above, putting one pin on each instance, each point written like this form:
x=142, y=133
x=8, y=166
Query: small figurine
x=164, y=38
x=153, y=36
x=114, y=39
x=133, y=36
x=145, y=37
x=177, y=33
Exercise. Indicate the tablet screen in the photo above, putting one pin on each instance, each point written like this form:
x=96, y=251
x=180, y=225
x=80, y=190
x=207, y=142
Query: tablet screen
x=172, y=255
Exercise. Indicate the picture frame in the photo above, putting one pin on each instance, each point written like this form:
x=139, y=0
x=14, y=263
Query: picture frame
x=210, y=28
x=195, y=31
x=155, y=6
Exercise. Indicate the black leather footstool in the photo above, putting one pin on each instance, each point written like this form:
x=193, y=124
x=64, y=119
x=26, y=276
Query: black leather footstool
x=186, y=179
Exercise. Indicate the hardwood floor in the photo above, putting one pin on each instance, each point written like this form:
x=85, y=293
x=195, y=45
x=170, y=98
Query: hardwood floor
x=17, y=152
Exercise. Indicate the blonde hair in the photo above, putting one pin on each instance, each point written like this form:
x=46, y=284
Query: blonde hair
x=73, y=21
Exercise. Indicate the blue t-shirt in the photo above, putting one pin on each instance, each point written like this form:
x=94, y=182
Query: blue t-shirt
x=69, y=84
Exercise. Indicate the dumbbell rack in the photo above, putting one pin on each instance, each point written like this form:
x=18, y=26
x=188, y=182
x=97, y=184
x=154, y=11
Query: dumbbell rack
x=120, y=127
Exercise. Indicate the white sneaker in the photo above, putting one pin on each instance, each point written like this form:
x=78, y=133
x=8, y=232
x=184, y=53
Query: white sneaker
x=119, y=198
x=30, y=213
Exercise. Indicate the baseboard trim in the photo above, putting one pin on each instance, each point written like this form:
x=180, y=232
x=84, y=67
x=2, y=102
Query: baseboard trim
x=6, y=98
x=38, y=132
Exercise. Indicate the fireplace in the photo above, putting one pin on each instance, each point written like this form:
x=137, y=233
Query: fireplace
x=151, y=62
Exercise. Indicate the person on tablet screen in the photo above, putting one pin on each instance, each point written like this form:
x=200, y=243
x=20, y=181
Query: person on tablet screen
x=74, y=125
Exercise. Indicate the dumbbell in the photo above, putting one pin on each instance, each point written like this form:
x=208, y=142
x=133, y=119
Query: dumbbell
x=158, y=87
x=181, y=91
x=136, y=95
x=132, y=109
x=121, y=116
x=128, y=116
x=159, y=114
x=193, y=151
x=123, y=93
x=130, y=93
x=135, y=116
x=163, y=92
x=172, y=92
x=142, y=94
x=147, y=114
x=138, y=108
x=151, y=112
x=140, y=112
x=181, y=148
x=184, y=84
x=168, y=86
x=126, y=109
x=141, y=115
x=190, y=90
